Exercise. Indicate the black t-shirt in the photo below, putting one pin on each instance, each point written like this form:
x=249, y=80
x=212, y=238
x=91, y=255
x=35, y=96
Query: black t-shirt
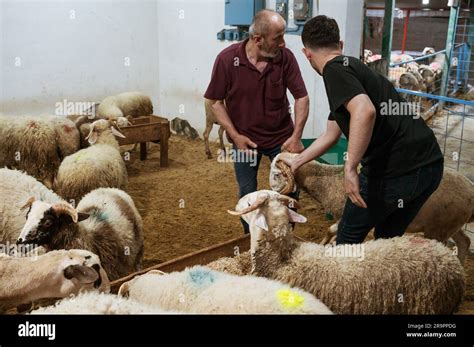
x=401, y=141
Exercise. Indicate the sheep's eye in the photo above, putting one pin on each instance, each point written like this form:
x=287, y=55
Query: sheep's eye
x=47, y=223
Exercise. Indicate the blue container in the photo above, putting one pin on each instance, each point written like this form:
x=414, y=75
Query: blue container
x=241, y=12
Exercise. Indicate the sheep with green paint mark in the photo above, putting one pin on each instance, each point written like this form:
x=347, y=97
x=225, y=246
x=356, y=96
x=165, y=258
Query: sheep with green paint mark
x=202, y=290
x=106, y=222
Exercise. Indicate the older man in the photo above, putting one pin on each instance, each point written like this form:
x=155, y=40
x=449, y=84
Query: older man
x=252, y=77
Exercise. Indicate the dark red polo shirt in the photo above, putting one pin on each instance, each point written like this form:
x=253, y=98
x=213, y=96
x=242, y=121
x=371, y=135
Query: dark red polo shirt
x=257, y=102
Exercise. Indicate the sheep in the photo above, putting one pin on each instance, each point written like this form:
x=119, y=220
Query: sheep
x=201, y=290
x=37, y=144
x=133, y=104
x=182, y=127
x=239, y=265
x=83, y=123
x=402, y=275
x=56, y=274
x=98, y=303
x=106, y=222
x=16, y=188
x=442, y=216
x=100, y=165
x=210, y=121
x=429, y=77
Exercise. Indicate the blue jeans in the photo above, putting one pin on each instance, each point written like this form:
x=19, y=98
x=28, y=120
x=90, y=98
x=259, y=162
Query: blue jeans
x=392, y=204
x=246, y=174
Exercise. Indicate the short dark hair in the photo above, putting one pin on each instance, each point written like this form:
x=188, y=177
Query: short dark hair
x=320, y=32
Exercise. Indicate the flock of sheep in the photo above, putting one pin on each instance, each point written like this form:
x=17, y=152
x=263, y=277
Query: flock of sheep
x=411, y=75
x=84, y=245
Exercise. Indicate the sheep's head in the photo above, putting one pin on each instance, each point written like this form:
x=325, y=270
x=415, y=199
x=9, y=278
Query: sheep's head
x=428, y=50
x=100, y=126
x=83, y=270
x=271, y=213
x=282, y=179
x=408, y=81
x=44, y=220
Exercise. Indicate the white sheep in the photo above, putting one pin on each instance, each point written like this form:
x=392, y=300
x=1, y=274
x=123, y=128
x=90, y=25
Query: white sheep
x=16, y=189
x=133, y=104
x=443, y=215
x=402, y=275
x=202, y=290
x=105, y=222
x=37, y=145
x=210, y=121
x=56, y=274
x=239, y=265
x=98, y=303
x=100, y=165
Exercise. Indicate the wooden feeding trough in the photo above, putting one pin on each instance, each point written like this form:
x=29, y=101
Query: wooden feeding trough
x=201, y=257
x=148, y=129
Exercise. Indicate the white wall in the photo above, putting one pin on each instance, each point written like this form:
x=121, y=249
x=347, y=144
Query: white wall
x=188, y=46
x=81, y=58
x=171, y=45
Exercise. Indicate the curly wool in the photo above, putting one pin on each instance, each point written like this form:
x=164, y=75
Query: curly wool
x=202, y=290
x=403, y=275
x=98, y=303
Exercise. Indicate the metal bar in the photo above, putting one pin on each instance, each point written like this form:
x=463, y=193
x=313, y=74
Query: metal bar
x=424, y=56
x=387, y=29
x=460, y=142
x=453, y=18
x=437, y=97
x=405, y=30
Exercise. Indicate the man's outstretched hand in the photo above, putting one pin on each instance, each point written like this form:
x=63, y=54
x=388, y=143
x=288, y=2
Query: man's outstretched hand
x=351, y=184
x=292, y=145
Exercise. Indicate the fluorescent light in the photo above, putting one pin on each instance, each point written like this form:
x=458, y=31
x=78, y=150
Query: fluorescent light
x=426, y=2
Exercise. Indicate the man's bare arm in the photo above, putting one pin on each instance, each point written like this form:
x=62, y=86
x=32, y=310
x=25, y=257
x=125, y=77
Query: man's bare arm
x=293, y=144
x=320, y=146
x=362, y=113
x=362, y=122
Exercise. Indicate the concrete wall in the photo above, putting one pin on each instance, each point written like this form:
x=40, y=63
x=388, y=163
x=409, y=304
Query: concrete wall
x=75, y=50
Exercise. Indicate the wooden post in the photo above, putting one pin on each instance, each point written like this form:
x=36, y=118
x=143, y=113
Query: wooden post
x=451, y=36
x=164, y=136
x=387, y=29
x=142, y=150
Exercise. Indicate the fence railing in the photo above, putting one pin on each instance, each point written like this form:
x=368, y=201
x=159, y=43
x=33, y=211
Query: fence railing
x=452, y=121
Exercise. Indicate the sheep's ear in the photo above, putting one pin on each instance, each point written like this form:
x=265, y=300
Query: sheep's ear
x=28, y=204
x=83, y=274
x=296, y=217
x=117, y=133
x=261, y=221
x=82, y=216
x=92, y=137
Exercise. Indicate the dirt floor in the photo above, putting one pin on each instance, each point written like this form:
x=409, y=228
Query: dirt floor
x=184, y=205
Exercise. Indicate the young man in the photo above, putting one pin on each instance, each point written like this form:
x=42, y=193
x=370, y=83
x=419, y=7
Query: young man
x=402, y=164
x=252, y=77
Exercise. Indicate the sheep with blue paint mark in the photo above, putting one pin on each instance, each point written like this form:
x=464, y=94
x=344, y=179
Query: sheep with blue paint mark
x=106, y=222
x=202, y=290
